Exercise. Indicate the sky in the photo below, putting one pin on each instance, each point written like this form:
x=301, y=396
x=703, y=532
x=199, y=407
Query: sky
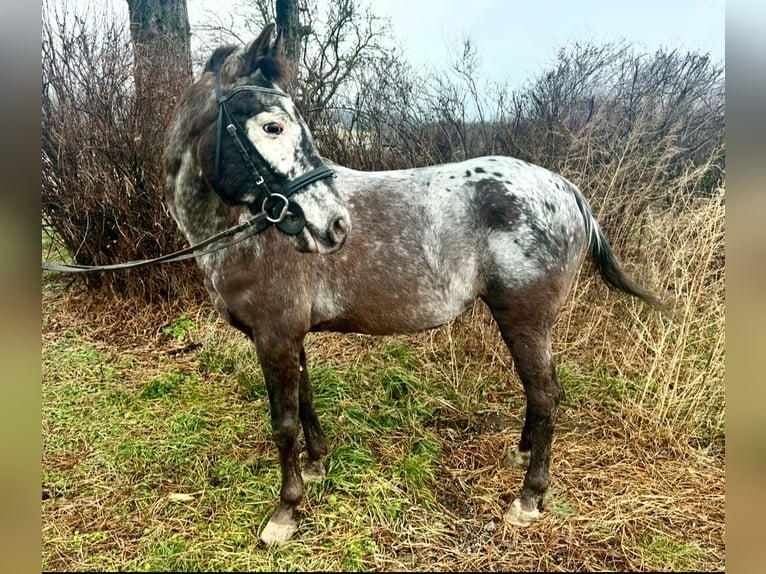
x=516, y=40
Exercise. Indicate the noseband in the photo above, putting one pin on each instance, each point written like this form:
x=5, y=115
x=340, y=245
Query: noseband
x=285, y=214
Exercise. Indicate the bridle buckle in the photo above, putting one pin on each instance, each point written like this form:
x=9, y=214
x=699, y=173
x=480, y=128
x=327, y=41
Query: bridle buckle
x=269, y=208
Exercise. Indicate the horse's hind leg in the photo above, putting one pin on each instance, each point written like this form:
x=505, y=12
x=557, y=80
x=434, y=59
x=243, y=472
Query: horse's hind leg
x=537, y=370
x=316, y=442
x=525, y=323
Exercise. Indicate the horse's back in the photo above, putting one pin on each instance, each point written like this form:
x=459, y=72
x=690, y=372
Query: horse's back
x=517, y=221
x=426, y=242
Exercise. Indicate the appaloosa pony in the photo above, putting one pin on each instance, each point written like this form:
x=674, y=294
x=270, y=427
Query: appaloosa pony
x=369, y=252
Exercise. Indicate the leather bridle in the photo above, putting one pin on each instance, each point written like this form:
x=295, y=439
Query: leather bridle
x=285, y=214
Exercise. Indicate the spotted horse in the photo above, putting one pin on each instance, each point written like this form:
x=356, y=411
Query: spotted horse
x=369, y=252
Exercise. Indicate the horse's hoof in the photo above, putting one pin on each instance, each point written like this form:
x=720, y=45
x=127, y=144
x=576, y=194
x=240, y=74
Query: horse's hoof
x=279, y=530
x=517, y=459
x=517, y=516
x=313, y=471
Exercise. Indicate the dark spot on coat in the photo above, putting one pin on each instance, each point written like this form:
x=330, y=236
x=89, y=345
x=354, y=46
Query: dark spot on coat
x=468, y=173
x=480, y=170
x=549, y=206
x=495, y=207
x=452, y=177
x=540, y=235
x=497, y=174
x=551, y=242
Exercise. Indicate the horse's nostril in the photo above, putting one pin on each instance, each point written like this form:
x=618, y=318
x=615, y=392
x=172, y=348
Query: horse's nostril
x=339, y=229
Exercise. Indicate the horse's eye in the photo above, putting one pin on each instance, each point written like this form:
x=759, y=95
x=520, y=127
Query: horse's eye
x=272, y=128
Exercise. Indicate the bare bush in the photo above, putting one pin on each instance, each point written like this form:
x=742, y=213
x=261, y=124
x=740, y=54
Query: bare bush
x=642, y=135
x=626, y=127
x=102, y=184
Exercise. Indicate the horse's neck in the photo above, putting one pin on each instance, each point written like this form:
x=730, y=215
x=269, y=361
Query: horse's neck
x=200, y=213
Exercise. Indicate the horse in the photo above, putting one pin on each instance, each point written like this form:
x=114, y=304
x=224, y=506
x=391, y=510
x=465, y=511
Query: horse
x=379, y=253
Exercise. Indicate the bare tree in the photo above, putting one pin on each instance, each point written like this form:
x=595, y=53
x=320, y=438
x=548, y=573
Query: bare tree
x=102, y=138
x=289, y=24
x=327, y=42
x=161, y=41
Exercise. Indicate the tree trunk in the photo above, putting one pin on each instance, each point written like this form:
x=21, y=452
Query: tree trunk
x=290, y=25
x=162, y=46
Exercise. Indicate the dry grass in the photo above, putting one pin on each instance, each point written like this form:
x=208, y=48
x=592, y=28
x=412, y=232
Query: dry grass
x=157, y=454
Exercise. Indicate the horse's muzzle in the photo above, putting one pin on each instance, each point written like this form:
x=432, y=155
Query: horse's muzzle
x=324, y=242
x=339, y=231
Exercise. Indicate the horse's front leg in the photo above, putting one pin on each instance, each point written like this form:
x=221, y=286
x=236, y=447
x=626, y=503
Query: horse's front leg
x=280, y=363
x=316, y=442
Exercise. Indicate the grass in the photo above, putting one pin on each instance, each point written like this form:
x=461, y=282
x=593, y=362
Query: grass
x=666, y=554
x=153, y=463
x=53, y=248
x=157, y=452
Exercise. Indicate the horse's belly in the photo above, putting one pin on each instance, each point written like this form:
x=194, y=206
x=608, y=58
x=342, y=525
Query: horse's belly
x=384, y=309
x=388, y=321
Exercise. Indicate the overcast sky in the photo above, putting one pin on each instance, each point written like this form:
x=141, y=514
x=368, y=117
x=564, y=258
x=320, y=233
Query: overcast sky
x=516, y=39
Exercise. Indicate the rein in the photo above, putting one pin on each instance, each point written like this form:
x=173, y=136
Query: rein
x=187, y=253
x=275, y=207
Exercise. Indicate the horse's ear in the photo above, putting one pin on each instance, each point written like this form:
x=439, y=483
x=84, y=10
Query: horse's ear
x=279, y=45
x=217, y=59
x=258, y=49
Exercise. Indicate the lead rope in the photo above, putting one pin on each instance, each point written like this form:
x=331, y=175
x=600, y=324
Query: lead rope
x=187, y=253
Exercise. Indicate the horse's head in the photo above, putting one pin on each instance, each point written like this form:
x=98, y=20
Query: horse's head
x=252, y=146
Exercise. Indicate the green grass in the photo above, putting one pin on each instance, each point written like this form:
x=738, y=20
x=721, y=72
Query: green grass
x=53, y=248
x=596, y=387
x=145, y=438
x=159, y=462
x=180, y=329
x=666, y=553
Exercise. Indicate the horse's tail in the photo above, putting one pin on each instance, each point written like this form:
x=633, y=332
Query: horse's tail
x=607, y=263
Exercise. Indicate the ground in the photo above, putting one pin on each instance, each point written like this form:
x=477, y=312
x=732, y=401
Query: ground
x=157, y=454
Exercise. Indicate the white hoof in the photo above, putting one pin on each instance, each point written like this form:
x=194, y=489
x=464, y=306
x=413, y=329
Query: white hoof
x=313, y=472
x=279, y=532
x=517, y=516
x=517, y=459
